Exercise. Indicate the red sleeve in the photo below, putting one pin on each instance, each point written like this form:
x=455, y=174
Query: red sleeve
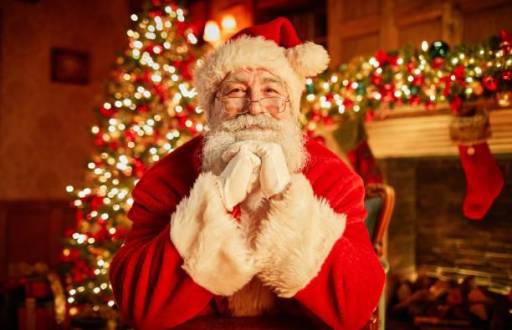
x=150, y=287
x=348, y=287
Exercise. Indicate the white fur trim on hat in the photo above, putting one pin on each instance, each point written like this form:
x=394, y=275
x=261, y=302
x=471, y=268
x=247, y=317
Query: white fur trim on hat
x=292, y=65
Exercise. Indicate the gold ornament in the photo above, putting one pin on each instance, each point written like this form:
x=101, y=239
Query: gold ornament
x=477, y=88
x=504, y=99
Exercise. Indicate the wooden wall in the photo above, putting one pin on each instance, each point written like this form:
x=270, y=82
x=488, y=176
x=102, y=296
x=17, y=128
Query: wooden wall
x=45, y=125
x=45, y=139
x=362, y=27
x=32, y=231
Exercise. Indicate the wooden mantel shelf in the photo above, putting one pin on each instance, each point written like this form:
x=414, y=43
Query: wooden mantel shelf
x=406, y=133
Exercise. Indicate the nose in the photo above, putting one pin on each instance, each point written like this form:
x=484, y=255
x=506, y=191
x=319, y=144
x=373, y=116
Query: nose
x=255, y=106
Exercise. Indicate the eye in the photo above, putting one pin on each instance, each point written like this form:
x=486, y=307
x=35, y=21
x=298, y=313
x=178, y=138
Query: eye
x=270, y=90
x=237, y=91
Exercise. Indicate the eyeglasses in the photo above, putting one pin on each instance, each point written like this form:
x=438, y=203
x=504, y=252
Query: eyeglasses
x=242, y=105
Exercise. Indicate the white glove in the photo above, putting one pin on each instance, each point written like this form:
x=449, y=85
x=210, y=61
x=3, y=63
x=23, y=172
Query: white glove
x=239, y=177
x=274, y=173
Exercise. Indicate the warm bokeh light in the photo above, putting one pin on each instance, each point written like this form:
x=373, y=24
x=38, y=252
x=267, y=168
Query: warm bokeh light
x=212, y=32
x=228, y=23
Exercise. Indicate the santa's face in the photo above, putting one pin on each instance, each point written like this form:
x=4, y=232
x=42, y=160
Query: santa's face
x=252, y=104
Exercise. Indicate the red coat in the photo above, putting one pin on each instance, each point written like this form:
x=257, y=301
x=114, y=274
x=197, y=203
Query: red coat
x=154, y=292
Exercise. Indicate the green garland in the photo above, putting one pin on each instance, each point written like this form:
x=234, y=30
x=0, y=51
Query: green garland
x=430, y=75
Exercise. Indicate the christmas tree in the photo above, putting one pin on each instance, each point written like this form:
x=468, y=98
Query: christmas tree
x=148, y=111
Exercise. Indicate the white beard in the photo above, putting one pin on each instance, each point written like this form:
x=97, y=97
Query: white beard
x=262, y=127
x=254, y=298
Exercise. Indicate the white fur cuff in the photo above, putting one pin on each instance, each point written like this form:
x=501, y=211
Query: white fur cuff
x=296, y=238
x=210, y=241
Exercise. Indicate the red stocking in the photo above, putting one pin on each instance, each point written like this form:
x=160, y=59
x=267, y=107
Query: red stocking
x=484, y=180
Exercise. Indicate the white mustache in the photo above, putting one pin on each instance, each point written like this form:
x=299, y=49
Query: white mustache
x=247, y=121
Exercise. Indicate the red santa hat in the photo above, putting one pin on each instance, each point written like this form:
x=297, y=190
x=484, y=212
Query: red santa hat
x=273, y=46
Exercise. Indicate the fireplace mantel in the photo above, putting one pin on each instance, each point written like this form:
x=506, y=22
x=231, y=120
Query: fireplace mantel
x=413, y=135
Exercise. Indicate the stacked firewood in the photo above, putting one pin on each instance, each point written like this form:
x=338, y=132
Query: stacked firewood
x=449, y=304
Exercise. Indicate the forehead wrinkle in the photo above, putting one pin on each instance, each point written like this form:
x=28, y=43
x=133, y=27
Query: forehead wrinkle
x=235, y=80
x=271, y=80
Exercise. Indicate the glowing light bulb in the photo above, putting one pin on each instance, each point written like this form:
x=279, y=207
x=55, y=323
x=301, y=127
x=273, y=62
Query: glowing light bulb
x=228, y=23
x=212, y=32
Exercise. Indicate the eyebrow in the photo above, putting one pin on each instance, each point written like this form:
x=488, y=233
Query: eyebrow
x=271, y=80
x=242, y=81
x=234, y=80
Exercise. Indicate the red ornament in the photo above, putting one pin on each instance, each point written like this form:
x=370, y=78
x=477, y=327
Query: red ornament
x=154, y=13
x=190, y=108
x=388, y=93
x=369, y=116
x=161, y=92
x=107, y=112
x=129, y=135
x=348, y=103
x=414, y=100
x=98, y=140
x=410, y=67
x=429, y=105
x=418, y=80
x=145, y=77
x=376, y=79
x=459, y=73
x=506, y=75
x=96, y=202
x=142, y=108
x=326, y=120
x=393, y=60
x=382, y=57
x=456, y=104
x=79, y=216
x=506, y=41
x=437, y=62
x=490, y=83
x=114, y=145
x=505, y=35
x=315, y=115
x=138, y=167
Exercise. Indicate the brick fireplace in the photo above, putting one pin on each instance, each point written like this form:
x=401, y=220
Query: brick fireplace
x=435, y=253
x=428, y=231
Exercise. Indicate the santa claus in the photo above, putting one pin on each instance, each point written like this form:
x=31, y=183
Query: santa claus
x=253, y=218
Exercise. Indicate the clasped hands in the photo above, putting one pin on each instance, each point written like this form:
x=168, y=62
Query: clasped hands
x=252, y=164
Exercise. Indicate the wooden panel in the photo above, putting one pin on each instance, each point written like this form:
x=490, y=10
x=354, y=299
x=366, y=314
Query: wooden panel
x=479, y=25
x=428, y=136
x=388, y=29
x=334, y=22
x=31, y=231
x=415, y=34
x=358, y=9
x=408, y=7
x=359, y=27
x=366, y=45
x=400, y=22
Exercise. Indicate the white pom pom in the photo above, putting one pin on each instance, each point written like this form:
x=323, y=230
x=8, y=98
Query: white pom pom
x=308, y=59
